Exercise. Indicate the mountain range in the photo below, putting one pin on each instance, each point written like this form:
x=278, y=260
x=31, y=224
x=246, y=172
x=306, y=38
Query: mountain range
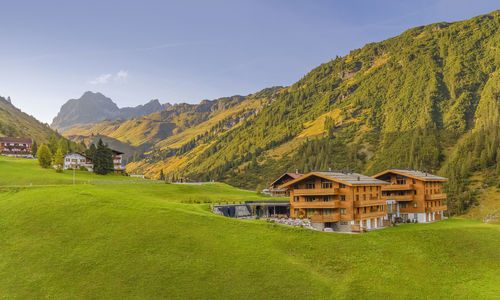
x=427, y=99
x=93, y=108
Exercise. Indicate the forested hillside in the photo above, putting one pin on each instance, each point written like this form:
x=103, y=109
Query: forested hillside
x=426, y=99
x=15, y=123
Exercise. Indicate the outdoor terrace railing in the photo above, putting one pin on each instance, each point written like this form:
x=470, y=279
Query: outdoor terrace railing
x=430, y=197
x=315, y=192
x=316, y=204
x=363, y=203
x=325, y=218
x=397, y=187
x=398, y=197
x=436, y=208
x=372, y=214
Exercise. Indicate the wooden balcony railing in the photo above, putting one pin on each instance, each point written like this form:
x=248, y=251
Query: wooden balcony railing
x=436, y=208
x=398, y=197
x=316, y=204
x=325, y=218
x=315, y=192
x=372, y=214
x=363, y=203
x=430, y=197
x=397, y=187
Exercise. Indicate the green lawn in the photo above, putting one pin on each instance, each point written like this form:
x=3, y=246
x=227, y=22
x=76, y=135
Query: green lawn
x=154, y=241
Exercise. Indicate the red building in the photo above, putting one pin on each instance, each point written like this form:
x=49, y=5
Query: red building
x=18, y=147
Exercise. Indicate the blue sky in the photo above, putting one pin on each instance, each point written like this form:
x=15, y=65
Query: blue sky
x=187, y=51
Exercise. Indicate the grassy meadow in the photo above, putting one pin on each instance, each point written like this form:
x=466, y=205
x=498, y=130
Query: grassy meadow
x=161, y=241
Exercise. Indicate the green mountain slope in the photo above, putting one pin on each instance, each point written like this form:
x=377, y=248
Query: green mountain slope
x=426, y=99
x=15, y=123
x=410, y=101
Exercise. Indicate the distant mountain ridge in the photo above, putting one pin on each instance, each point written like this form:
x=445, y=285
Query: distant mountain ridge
x=92, y=108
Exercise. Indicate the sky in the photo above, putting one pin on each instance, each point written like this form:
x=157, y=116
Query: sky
x=187, y=51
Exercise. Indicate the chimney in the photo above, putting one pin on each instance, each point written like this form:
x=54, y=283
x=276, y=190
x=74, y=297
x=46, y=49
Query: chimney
x=330, y=169
x=359, y=178
x=296, y=171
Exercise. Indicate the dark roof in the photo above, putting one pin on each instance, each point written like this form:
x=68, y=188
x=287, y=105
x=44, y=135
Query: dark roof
x=293, y=175
x=413, y=174
x=348, y=178
x=16, y=140
x=117, y=152
x=79, y=153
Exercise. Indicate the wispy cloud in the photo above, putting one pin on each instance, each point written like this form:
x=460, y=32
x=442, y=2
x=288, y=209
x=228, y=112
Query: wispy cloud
x=101, y=79
x=106, y=78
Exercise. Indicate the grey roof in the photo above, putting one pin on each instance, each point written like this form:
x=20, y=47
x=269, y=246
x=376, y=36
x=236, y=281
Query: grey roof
x=352, y=178
x=420, y=174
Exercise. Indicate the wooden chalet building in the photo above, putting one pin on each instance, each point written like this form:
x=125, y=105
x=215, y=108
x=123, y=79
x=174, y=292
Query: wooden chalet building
x=343, y=201
x=16, y=147
x=413, y=195
x=275, y=189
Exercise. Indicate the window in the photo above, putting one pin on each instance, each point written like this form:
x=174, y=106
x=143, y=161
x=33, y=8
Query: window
x=326, y=185
x=364, y=197
x=357, y=197
x=415, y=205
x=364, y=189
x=309, y=199
x=415, y=216
x=327, y=198
x=343, y=211
x=341, y=185
x=310, y=185
x=370, y=188
x=403, y=205
x=344, y=223
x=414, y=181
x=342, y=197
x=328, y=212
x=296, y=198
x=357, y=189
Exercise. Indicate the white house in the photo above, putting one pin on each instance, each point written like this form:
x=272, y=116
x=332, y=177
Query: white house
x=77, y=160
x=118, y=163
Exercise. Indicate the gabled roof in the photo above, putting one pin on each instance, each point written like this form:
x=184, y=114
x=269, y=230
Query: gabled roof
x=79, y=153
x=293, y=175
x=420, y=175
x=347, y=178
x=16, y=140
x=117, y=152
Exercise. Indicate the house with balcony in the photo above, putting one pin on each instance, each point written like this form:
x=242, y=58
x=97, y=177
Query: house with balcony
x=413, y=195
x=78, y=160
x=274, y=188
x=342, y=201
x=16, y=147
x=118, y=163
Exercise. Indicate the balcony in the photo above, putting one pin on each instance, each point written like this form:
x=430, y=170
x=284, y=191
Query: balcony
x=397, y=187
x=315, y=192
x=398, y=197
x=436, y=208
x=371, y=214
x=363, y=203
x=430, y=197
x=316, y=204
x=325, y=218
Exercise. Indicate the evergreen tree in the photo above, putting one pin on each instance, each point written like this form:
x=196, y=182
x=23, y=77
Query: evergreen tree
x=53, y=144
x=44, y=156
x=58, y=159
x=34, y=148
x=103, y=159
x=63, y=145
x=90, y=152
x=162, y=175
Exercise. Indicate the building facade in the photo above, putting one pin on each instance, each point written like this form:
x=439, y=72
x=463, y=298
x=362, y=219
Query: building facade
x=16, y=147
x=77, y=160
x=342, y=201
x=274, y=188
x=413, y=195
x=118, y=163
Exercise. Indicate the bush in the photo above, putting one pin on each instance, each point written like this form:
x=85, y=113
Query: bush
x=59, y=169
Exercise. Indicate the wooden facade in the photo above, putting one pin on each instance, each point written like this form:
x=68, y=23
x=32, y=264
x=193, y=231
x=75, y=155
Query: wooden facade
x=17, y=147
x=343, y=201
x=413, y=195
x=118, y=163
x=274, y=188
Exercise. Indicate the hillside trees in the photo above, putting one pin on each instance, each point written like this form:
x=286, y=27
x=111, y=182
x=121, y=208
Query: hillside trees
x=44, y=156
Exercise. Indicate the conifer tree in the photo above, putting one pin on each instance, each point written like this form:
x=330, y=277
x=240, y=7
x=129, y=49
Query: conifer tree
x=103, y=159
x=34, y=148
